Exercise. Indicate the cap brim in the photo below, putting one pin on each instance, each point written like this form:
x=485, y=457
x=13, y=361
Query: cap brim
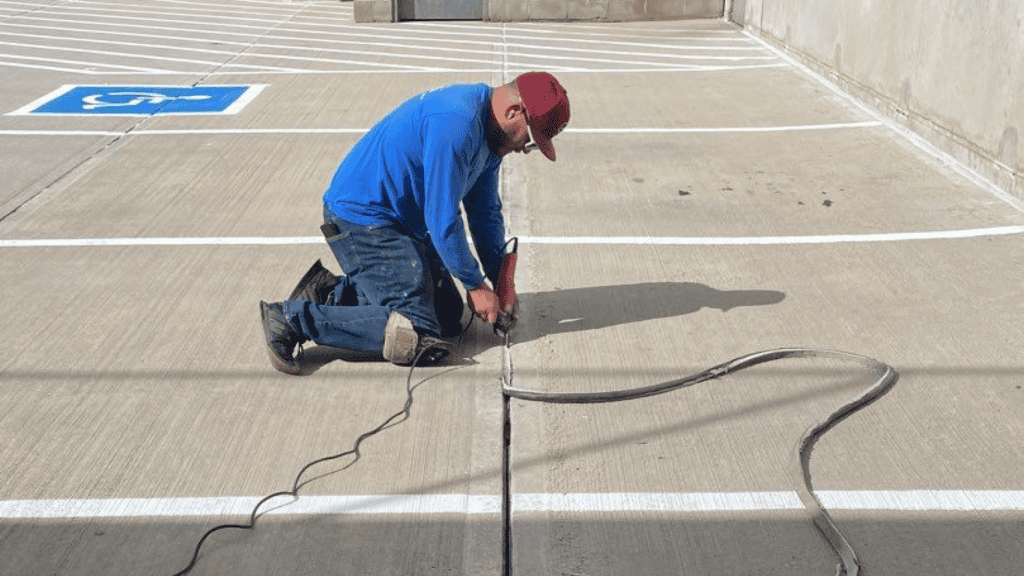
x=546, y=147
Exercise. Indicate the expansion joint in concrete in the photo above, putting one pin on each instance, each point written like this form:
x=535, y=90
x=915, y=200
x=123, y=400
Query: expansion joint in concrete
x=63, y=175
x=506, y=463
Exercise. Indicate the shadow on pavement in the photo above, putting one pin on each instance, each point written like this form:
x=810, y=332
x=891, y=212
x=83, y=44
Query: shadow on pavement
x=578, y=309
x=750, y=542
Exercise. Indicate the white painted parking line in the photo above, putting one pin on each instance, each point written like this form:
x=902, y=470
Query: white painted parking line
x=545, y=240
x=412, y=47
x=569, y=29
x=212, y=63
x=584, y=503
x=362, y=71
x=772, y=240
x=726, y=129
x=235, y=241
x=885, y=500
x=165, y=48
x=226, y=506
x=200, y=15
x=319, y=131
x=90, y=66
x=513, y=69
x=306, y=41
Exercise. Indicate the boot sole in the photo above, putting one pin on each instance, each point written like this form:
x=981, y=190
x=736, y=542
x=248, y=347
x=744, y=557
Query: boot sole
x=276, y=361
x=400, y=340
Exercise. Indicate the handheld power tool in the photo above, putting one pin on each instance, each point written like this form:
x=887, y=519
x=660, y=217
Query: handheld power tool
x=506, y=289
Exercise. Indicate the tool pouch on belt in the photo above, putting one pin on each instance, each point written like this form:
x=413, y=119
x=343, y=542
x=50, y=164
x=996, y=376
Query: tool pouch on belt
x=329, y=229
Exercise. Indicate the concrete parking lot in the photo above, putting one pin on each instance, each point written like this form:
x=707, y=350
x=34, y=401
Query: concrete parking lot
x=711, y=198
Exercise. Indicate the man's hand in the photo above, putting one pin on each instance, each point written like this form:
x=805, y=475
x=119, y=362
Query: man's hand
x=483, y=302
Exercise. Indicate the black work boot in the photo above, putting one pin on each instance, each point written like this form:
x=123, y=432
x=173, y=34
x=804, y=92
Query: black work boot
x=316, y=285
x=433, y=350
x=282, y=338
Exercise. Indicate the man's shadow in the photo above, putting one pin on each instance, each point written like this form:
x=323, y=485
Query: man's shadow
x=577, y=309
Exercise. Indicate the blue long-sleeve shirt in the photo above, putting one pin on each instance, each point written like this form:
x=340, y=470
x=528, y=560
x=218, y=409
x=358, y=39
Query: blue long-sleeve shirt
x=417, y=165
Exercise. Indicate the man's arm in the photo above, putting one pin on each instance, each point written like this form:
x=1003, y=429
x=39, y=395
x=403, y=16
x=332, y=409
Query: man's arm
x=445, y=174
x=445, y=182
x=487, y=225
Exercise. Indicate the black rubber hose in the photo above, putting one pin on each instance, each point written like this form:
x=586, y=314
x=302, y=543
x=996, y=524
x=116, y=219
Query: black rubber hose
x=885, y=375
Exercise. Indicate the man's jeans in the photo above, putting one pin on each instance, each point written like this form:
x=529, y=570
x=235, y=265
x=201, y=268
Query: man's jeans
x=386, y=271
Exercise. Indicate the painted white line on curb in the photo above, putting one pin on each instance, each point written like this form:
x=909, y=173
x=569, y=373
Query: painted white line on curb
x=671, y=502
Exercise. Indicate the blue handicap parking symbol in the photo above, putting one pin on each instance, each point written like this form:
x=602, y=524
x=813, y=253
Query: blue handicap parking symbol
x=143, y=100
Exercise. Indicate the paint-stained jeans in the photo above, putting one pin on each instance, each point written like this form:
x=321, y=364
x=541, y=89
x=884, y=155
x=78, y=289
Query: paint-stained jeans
x=386, y=271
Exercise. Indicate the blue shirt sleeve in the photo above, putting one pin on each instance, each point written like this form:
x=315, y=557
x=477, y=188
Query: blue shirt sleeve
x=446, y=170
x=486, y=224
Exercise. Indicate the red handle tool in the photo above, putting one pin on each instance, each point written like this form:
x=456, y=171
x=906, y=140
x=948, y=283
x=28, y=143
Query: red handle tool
x=507, y=300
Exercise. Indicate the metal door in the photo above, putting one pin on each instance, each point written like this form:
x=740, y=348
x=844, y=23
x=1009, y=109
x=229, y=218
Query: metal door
x=440, y=9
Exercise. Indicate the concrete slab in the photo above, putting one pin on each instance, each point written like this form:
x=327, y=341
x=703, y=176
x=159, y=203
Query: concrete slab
x=30, y=164
x=624, y=311
x=673, y=305
x=137, y=389
x=305, y=104
x=743, y=184
x=162, y=186
x=139, y=382
x=178, y=401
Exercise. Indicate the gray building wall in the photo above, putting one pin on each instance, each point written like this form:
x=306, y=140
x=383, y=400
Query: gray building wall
x=521, y=10
x=951, y=71
x=611, y=10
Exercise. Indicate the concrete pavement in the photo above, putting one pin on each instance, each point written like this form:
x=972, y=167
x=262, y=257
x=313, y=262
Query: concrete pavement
x=710, y=200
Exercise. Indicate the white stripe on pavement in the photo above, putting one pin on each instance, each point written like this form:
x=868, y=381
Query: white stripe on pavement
x=550, y=240
x=672, y=502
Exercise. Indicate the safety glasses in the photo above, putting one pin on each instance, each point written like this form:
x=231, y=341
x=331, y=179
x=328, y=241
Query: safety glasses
x=532, y=143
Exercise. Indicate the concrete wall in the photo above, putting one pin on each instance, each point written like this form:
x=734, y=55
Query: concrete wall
x=612, y=10
x=950, y=70
x=520, y=10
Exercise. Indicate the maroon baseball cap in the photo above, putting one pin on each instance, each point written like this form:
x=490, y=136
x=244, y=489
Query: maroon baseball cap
x=547, y=107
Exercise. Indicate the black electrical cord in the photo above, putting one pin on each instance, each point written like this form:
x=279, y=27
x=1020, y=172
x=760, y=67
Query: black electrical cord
x=297, y=484
x=886, y=378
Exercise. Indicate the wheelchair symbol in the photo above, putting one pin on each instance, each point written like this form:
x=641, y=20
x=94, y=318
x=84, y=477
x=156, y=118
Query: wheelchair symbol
x=95, y=101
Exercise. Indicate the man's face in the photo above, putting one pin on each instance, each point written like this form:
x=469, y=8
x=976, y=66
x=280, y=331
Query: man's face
x=531, y=142
x=517, y=131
